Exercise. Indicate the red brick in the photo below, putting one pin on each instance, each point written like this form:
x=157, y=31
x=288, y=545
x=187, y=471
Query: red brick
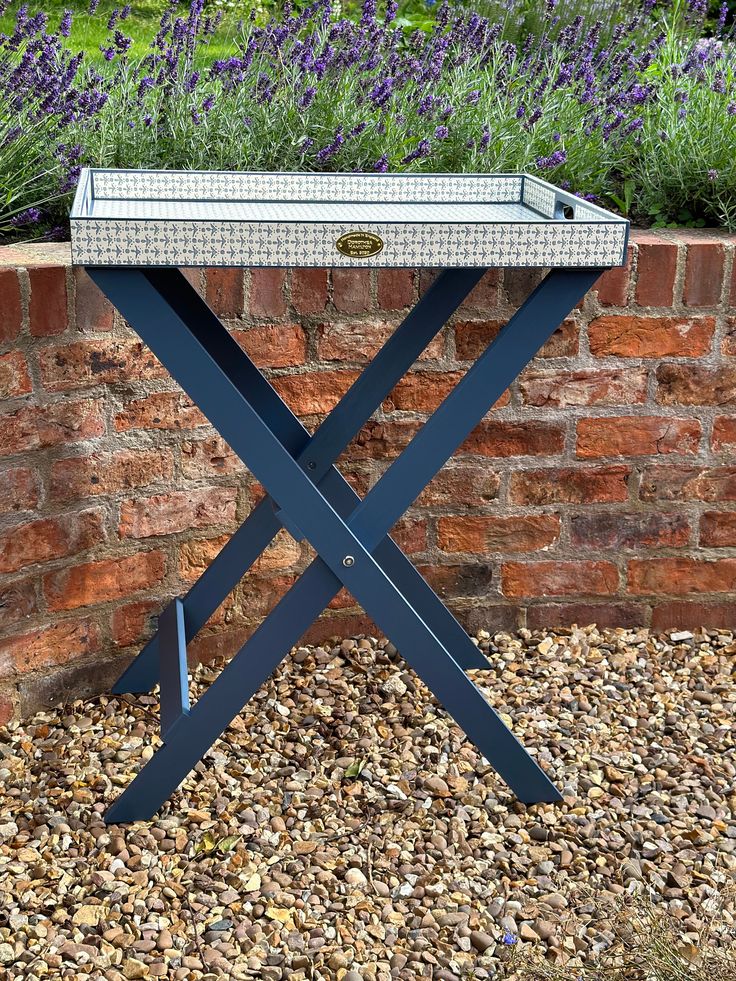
x=162, y=410
x=605, y=485
x=636, y=436
x=14, y=377
x=518, y=284
x=485, y=295
x=533, y=438
x=49, y=538
x=92, y=310
x=688, y=484
x=166, y=514
x=677, y=576
x=225, y=291
x=19, y=489
x=314, y=393
x=728, y=345
x=617, y=529
x=410, y=534
x=459, y=580
x=7, y=707
x=681, y=614
x=106, y=473
x=381, y=440
x=274, y=345
x=558, y=578
x=395, y=288
x=613, y=286
x=104, y=580
x=259, y=596
x=361, y=341
x=96, y=361
x=196, y=554
x=482, y=534
x=422, y=391
x=205, y=457
x=57, y=643
x=563, y=389
x=472, y=337
x=134, y=622
x=651, y=337
x=718, y=529
x=564, y=343
x=461, y=484
x=47, y=309
x=267, y=292
x=351, y=290
x=309, y=290
x=703, y=274
x=282, y=553
x=35, y=427
x=724, y=434
x=655, y=273
x=679, y=384
x=543, y=616
x=17, y=601
x=11, y=311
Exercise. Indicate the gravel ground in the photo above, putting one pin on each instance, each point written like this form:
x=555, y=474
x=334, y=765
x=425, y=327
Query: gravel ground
x=276, y=859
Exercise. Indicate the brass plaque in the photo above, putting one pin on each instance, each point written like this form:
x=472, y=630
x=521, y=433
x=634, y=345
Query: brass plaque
x=359, y=245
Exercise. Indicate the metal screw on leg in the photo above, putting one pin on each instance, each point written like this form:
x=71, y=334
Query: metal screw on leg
x=348, y=561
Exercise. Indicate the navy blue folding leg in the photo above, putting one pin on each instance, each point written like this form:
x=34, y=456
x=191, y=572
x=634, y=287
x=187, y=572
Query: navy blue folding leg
x=349, y=536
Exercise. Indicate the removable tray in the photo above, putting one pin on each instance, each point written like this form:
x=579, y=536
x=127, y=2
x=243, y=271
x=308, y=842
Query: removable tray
x=201, y=218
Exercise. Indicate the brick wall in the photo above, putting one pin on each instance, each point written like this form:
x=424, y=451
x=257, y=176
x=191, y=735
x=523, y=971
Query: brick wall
x=603, y=486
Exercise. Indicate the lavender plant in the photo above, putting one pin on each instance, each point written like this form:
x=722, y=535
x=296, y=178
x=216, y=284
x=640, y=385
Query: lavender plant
x=313, y=90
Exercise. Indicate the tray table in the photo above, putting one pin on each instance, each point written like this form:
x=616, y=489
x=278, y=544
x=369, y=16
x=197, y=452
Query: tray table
x=133, y=230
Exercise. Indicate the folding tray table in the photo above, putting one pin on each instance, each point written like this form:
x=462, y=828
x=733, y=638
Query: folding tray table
x=133, y=230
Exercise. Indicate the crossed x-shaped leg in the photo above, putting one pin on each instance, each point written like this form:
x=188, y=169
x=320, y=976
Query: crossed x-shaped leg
x=308, y=496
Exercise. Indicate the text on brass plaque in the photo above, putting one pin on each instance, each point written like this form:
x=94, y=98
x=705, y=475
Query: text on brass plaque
x=359, y=245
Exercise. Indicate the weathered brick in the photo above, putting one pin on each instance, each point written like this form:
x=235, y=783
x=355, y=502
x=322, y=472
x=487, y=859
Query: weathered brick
x=472, y=337
x=225, y=292
x=458, y=580
x=613, y=286
x=96, y=361
x=546, y=616
x=57, y=643
x=617, y=529
x=267, y=292
x=11, y=311
x=7, y=707
x=395, y=288
x=703, y=273
x=422, y=391
x=410, y=534
x=680, y=575
x=103, y=580
x=309, y=290
x=482, y=534
x=282, y=553
x=205, y=457
x=532, y=438
x=162, y=410
x=34, y=427
x=134, y=622
x=84, y=678
x=259, y=596
x=107, y=473
x=19, y=489
x=458, y=482
x=558, y=578
x=723, y=439
x=196, y=554
x=656, y=272
x=718, y=530
x=17, y=601
x=671, y=483
x=38, y=541
x=47, y=310
x=636, y=436
x=566, y=485
x=314, y=393
x=381, y=440
x=679, y=384
x=698, y=613
x=360, y=341
x=518, y=284
x=14, y=377
x=92, y=310
x=563, y=389
x=651, y=337
x=728, y=345
x=166, y=514
x=351, y=290
x=485, y=296
x=273, y=345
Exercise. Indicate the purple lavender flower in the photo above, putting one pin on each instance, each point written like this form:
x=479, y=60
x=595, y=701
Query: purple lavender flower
x=441, y=133
x=30, y=216
x=381, y=165
x=65, y=27
x=423, y=150
x=712, y=175
x=208, y=102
